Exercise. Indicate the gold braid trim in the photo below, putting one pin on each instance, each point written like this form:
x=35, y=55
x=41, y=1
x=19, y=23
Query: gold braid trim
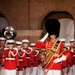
x=48, y=54
x=49, y=49
x=52, y=52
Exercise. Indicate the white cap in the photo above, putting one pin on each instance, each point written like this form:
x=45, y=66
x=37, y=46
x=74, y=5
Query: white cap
x=2, y=38
x=62, y=39
x=67, y=44
x=25, y=41
x=10, y=42
x=18, y=43
x=32, y=44
x=71, y=40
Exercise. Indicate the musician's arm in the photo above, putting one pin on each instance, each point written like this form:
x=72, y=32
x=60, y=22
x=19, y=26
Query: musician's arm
x=41, y=43
x=44, y=38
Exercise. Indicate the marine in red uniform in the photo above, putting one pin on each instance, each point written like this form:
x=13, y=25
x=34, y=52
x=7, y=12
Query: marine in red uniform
x=29, y=56
x=2, y=46
x=64, y=63
x=72, y=67
x=36, y=59
x=68, y=62
x=22, y=58
x=74, y=62
x=53, y=65
x=11, y=62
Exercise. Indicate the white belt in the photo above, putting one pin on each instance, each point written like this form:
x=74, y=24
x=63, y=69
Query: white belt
x=20, y=59
x=28, y=57
x=10, y=58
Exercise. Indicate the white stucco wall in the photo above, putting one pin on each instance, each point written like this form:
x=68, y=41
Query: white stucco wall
x=67, y=28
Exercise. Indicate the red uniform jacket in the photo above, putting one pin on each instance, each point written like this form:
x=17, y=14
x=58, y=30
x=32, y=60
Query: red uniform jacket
x=36, y=58
x=11, y=59
x=68, y=61
x=56, y=66
x=74, y=58
x=22, y=59
x=29, y=57
x=72, y=49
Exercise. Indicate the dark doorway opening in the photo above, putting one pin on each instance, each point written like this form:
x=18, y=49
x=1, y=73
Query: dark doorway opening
x=3, y=23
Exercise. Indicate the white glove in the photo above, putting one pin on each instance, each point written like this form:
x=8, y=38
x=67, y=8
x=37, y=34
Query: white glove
x=44, y=38
x=60, y=59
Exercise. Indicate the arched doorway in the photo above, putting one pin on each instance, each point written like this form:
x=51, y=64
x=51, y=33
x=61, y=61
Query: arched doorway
x=3, y=23
x=66, y=21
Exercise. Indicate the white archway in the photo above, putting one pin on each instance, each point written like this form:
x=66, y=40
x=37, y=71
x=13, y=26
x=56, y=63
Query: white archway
x=67, y=28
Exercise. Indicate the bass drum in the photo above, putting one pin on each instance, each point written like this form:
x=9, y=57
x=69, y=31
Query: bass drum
x=9, y=32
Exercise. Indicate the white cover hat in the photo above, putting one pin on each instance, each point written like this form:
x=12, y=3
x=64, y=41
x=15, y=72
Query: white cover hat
x=71, y=40
x=25, y=41
x=10, y=42
x=62, y=39
x=67, y=44
x=18, y=42
x=32, y=44
x=2, y=38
